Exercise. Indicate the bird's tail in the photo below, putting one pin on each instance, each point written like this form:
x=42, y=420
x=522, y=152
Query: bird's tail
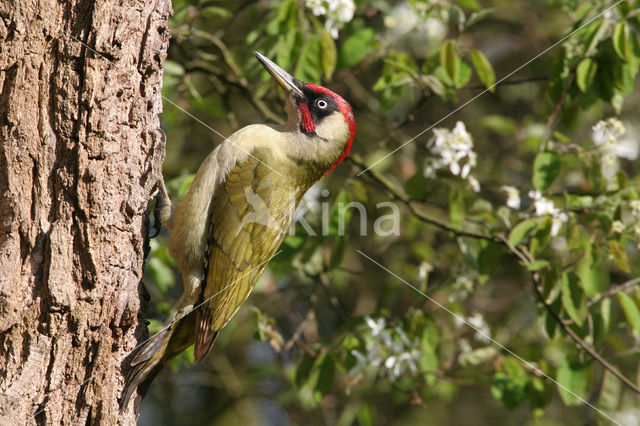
x=154, y=354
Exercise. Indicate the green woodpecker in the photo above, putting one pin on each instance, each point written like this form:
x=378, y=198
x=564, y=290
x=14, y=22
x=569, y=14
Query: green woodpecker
x=237, y=212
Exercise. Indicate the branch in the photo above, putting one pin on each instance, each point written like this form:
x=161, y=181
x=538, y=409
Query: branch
x=413, y=205
x=580, y=342
x=533, y=79
x=238, y=79
x=565, y=327
x=614, y=290
x=522, y=255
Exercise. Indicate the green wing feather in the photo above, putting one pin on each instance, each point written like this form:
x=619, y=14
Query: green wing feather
x=251, y=214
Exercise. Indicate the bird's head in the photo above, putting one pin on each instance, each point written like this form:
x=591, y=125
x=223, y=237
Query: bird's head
x=321, y=122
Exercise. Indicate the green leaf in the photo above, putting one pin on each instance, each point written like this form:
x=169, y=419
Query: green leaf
x=540, y=393
x=288, y=46
x=575, y=378
x=603, y=323
x=594, y=275
x=180, y=185
x=173, y=68
x=610, y=392
x=521, y=230
x=484, y=69
x=500, y=124
x=308, y=68
x=464, y=73
x=417, y=187
x=620, y=256
x=546, y=168
x=574, y=301
x=355, y=47
x=585, y=73
x=542, y=236
x=621, y=42
x=488, y=256
x=337, y=251
x=365, y=415
x=216, y=12
x=536, y=265
x=456, y=207
x=329, y=53
x=161, y=274
x=478, y=356
x=581, y=11
x=434, y=83
x=509, y=385
x=579, y=202
x=326, y=370
x=449, y=60
x=631, y=310
x=561, y=137
x=441, y=75
x=550, y=324
x=478, y=16
x=285, y=19
x=303, y=370
x=469, y=4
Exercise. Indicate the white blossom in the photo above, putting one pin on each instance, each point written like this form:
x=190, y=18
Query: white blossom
x=464, y=346
x=617, y=227
x=513, y=196
x=483, y=332
x=544, y=207
x=505, y=214
x=413, y=28
x=376, y=326
x=317, y=7
x=608, y=131
x=461, y=288
x=389, y=352
x=475, y=185
x=477, y=323
x=628, y=416
x=423, y=270
x=557, y=221
x=453, y=150
x=613, y=142
x=336, y=13
x=635, y=208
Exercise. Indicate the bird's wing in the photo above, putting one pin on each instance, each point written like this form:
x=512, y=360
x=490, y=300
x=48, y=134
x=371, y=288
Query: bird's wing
x=250, y=216
x=190, y=234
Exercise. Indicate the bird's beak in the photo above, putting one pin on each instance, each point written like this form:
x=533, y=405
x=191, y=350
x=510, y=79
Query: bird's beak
x=289, y=84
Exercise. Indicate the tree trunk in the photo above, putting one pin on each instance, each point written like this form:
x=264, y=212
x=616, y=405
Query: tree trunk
x=80, y=154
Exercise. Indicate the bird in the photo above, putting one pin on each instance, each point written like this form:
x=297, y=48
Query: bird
x=236, y=213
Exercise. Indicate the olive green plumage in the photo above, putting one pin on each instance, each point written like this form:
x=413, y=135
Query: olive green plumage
x=237, y=212
x=250, y=214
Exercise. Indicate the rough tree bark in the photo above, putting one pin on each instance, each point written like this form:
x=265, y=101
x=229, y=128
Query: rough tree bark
x=80, y=150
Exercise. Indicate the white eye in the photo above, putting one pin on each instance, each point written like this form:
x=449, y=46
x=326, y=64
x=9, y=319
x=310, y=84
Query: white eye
x=321, y=103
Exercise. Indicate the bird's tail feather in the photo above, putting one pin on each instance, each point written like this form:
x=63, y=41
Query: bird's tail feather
x=205, y=336
x=159, y=350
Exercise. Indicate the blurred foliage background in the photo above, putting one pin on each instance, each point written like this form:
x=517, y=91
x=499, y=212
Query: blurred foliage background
x=519, y=215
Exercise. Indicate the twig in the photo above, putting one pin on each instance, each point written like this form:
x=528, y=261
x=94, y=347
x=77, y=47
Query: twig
x=614, y=290
x=565, y=327
x=595, y=355
x=521, y=254
x=514, y=82
x=413, y=205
